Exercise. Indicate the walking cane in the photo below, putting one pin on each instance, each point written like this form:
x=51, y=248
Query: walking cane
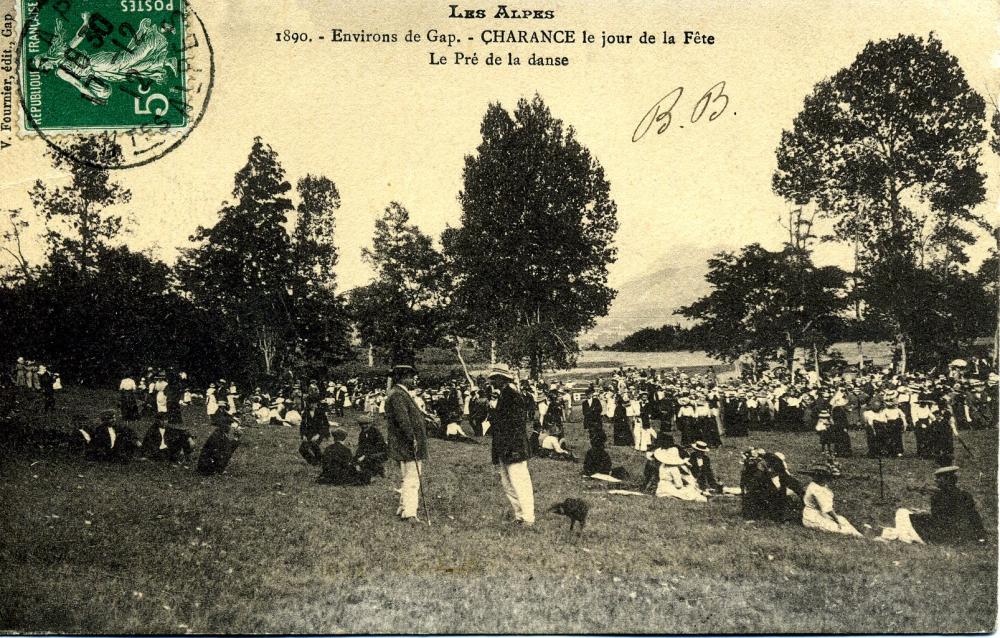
x=881, y=481
x=420, y=482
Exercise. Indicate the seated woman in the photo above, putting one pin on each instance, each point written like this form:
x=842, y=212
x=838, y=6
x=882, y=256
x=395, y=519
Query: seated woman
x=597, y=459
x=818, y=512
x=783, y=499
x=676, y=480
x=953, y=517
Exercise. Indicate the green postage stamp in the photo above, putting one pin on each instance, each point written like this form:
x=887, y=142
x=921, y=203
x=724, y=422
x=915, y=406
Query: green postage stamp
x=105, y=65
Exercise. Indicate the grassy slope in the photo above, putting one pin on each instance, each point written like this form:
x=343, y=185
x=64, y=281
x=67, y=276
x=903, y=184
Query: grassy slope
x=265, y=549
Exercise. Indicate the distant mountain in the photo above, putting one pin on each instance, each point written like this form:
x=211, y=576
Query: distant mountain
x=649, y=300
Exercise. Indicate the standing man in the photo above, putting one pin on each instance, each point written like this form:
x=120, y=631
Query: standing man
x=406, y=435
x=593, y=413
x=510, y=444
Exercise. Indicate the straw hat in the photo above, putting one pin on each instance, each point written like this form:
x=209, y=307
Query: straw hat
x=501, y=370
x=669, y=456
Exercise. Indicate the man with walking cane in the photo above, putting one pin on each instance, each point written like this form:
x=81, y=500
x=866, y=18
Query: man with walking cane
x=510, y=444
x=406, y=437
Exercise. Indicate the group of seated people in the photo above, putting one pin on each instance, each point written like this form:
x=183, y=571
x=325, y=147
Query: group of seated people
x=338, y=464
x=111, y=441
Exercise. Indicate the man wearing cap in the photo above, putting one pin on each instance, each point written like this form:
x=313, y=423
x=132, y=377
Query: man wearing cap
x=953, y=517
x=406, y=437
x=510, y=444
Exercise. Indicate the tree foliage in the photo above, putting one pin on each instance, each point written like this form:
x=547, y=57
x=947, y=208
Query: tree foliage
x=532, y=251
x=403, y=308
x=767, y=304
x=271, y=291
x=666, y=338
x=77, y=225
x=889, y=149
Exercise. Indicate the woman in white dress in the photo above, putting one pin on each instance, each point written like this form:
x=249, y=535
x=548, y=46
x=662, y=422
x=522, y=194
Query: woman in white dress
x=818, y=512
x=676, y=480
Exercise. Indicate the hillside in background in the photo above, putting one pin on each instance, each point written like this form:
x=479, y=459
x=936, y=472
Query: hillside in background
x=649, y=300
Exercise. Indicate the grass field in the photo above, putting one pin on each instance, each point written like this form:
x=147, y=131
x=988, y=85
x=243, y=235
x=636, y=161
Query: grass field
x=148, y=547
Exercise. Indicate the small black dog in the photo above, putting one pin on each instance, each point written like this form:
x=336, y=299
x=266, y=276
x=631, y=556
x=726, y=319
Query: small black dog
x=574, y=509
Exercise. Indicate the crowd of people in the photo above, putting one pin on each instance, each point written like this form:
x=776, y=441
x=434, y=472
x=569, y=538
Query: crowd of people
x=35, y=376
x=672, y=419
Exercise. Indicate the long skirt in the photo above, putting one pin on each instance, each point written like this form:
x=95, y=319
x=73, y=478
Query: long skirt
x=903, y=529
x=814, y=519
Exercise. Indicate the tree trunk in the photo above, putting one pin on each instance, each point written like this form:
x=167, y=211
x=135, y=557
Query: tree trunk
x=816, y=358
x=371, y=356
x=493, y=352
x=996, y=340
x=902, y=354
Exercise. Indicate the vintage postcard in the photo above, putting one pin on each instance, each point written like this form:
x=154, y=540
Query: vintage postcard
x=543, y=317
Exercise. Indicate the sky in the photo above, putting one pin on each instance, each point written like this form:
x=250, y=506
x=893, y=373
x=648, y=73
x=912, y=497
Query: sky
x=385, y=125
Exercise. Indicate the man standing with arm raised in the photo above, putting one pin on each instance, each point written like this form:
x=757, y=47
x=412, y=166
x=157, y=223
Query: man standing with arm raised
x=406, y=436
x=510, y=444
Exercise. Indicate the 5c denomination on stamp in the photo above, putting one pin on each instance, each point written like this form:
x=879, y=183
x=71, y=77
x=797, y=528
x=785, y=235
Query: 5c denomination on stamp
x=139, y=69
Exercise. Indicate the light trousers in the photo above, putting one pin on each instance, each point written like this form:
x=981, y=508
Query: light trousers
x=409, y=489
x=516, y=482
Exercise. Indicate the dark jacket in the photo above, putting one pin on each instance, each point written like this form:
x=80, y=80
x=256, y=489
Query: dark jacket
x=405, y=422
x=339, y=467
x=508, y=427
x=218, y=449
x=593, y=414
x=953, y=518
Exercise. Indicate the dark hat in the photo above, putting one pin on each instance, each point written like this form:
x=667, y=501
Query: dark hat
x=364, y=419
x=339, y=434
x=403, y=368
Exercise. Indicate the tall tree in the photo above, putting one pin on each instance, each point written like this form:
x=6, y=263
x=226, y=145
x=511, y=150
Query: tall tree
x=889, y=148
x=78, y=226
x=402, y=309
x=315, y=223
x=531, y=255
x=270, y=289
x=767, y=304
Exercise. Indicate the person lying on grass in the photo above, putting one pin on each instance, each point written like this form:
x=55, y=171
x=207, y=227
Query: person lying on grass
x=952, y=519
x=818, y=512
x=551, y=446
x=454, y=432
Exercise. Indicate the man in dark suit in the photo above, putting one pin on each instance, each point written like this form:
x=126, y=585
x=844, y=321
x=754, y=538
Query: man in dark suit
x=406, y=434
x=953, y=517
x=593, y=413
x=372, y=451
x=507, y=418
x=339, y=466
